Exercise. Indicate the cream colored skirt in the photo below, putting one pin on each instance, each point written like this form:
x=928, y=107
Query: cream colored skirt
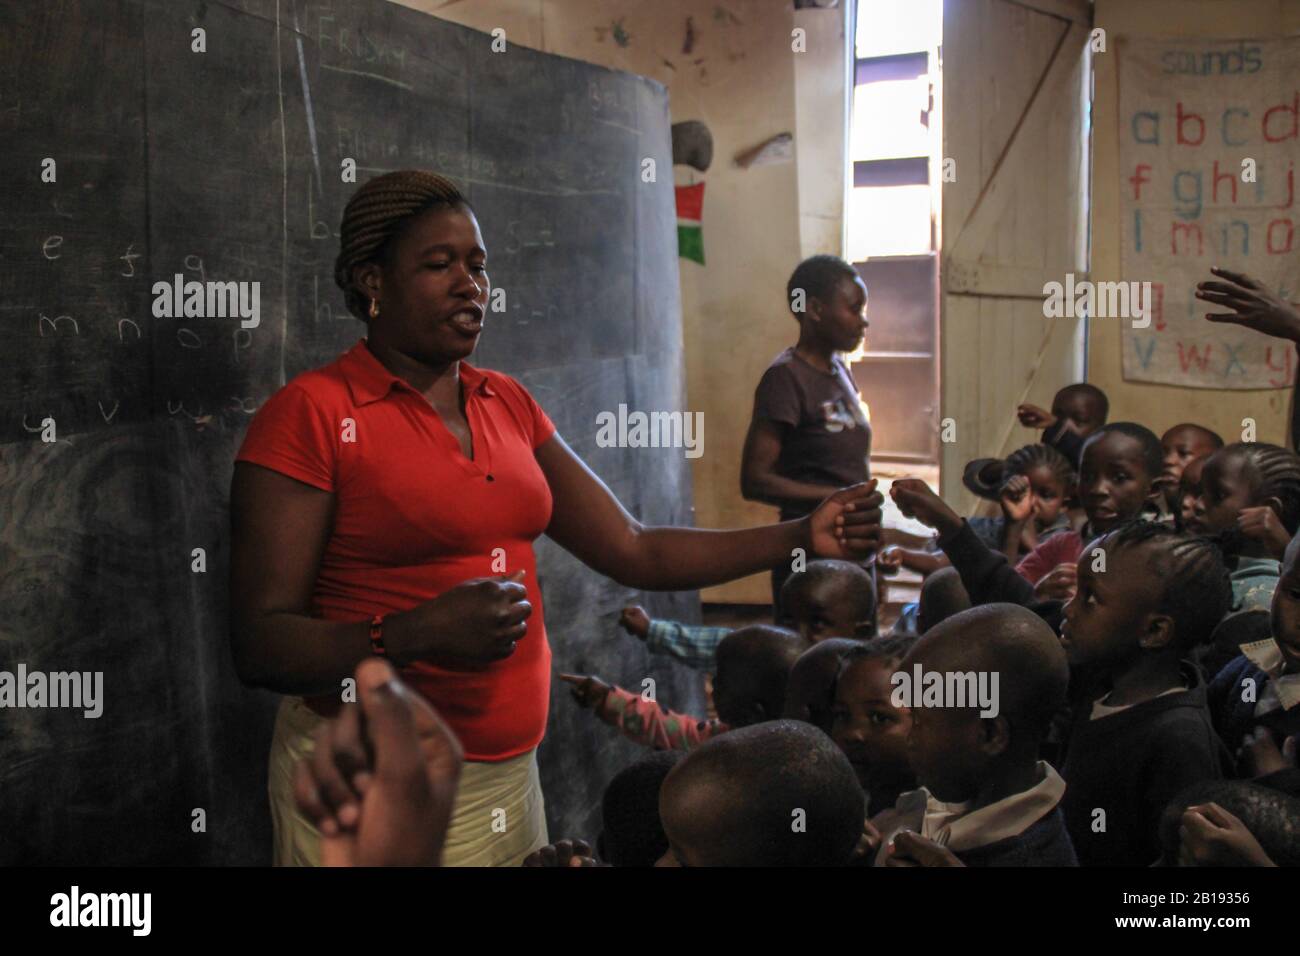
x=498, y=819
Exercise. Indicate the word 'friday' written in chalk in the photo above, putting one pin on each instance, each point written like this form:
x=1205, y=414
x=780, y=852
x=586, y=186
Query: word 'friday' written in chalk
x=103, y=909
x=84, y=691
x=651, y=430
x=208, y=300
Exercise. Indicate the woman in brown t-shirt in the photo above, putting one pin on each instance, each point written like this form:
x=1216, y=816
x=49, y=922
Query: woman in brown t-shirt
x=808, y=435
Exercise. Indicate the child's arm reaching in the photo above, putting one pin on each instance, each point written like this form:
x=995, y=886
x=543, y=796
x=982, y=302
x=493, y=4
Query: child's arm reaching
x=894, y=556
x=694, y=645
x=984, y=573
x=642, y=720
x=1017, y=501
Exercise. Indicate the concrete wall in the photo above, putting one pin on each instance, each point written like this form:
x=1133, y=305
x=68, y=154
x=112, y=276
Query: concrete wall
x=1160, y=406
x=743, y=80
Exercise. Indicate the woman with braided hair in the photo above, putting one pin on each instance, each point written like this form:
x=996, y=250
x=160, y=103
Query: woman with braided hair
x=387, y=504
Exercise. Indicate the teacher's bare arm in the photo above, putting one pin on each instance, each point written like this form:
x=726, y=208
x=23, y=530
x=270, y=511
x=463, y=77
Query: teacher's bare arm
x=278, y=535
x=592, y=524
x=758, y=478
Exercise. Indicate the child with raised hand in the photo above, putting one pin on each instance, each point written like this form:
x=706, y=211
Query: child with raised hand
x=1078, y=411
x=1141, y=608
x=986, y=798
x=828, y=598
x=1031, y=485
x=753, y=666
x=1183, y=444
x=869, y=726
x=779, y=793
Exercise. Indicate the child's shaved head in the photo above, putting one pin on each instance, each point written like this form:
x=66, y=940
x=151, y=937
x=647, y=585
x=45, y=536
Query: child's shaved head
x=955, y=751
x=810, y=690
x=830, y=599
x=775, y=794
x=1086, y=405
x=754, y=665
x=942, y=596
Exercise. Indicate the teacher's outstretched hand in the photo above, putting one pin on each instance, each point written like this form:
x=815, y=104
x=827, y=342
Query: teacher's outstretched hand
x=847, y=524
x=1253, y=305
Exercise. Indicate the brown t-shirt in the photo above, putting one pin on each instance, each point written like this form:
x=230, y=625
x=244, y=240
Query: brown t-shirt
x=826, y=437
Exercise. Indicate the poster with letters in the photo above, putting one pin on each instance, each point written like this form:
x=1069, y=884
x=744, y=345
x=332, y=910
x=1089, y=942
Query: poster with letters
x=1209, y=137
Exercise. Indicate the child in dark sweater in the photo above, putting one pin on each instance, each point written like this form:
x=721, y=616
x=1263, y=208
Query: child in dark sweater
x=1147, y=595
x=987, y=800
x=1261, y=685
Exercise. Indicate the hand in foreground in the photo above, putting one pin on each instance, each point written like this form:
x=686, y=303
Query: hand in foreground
x=847, y=524
x=589, y=692
x=889, y=559
x=915, y=499
x=563, y=853
x=912, y=849
x=635, y=621
x=1209, y=835
x=1058, y=584
x=1260, y=755
x=1031, y=416
x=1253, y=305
x=381, y=782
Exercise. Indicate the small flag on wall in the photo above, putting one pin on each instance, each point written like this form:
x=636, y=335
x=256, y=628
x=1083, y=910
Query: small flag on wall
x=690, y=236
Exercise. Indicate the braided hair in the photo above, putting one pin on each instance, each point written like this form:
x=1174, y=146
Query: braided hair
x=1274, y=472
x=1024, y=460
x=1190, y=571
x=376, y=213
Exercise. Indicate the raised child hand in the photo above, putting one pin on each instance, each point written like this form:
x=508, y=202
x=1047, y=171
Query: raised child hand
x=1031, y=416
x=889, y=559
x=1211, y=836
x=589, y=692
x=1017, y=500
x=635, y=621
x=915, y=499
x=382, y=779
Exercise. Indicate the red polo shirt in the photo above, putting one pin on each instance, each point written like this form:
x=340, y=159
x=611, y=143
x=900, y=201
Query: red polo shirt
x=415, y=517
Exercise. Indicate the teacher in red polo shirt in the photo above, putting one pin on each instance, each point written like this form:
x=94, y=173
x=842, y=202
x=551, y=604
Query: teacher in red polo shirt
x=388, y=502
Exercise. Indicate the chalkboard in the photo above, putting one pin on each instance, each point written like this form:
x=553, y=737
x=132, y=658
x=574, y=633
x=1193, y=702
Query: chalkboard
x=118, y=428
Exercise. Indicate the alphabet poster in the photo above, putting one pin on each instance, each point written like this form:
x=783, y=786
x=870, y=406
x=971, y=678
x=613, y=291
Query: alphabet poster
x=1209, y=135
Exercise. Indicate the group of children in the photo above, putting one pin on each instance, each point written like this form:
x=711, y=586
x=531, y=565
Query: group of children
x=1134, y=606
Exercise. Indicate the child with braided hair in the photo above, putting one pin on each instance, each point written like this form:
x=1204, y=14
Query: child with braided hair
x=1031, y=484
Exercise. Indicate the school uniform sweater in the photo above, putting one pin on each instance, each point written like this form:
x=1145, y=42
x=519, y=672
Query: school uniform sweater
x=1046, y=843
x=1130, y=764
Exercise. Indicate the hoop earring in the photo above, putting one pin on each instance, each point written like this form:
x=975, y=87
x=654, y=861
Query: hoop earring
x=374, y=308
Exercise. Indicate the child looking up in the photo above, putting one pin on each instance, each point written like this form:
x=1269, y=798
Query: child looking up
x=868, y=726
x=1121, y=463
x=753, y=667
x=775, y=794
x=1132, y=624
x=987, y=800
